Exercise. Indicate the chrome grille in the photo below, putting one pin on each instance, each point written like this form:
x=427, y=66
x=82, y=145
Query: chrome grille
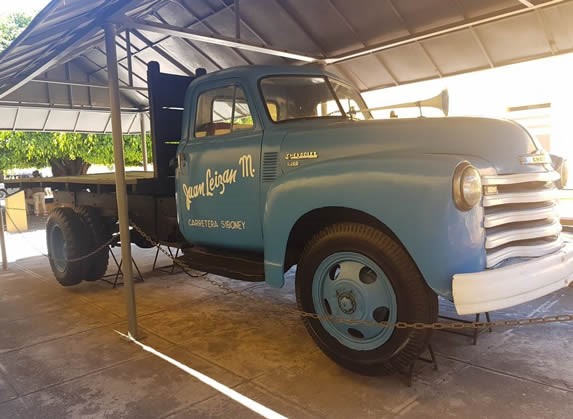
x=521, y=216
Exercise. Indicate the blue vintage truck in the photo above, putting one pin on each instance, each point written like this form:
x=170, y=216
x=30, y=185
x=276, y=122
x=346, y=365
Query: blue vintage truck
x=267, y=168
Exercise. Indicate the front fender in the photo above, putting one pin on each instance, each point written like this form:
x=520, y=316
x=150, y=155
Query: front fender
x=411, y=195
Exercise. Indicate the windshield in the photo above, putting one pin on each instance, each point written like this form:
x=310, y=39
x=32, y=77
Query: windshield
x=311, y=97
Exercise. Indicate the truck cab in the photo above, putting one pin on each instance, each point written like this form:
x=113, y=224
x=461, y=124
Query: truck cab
x=285, y=166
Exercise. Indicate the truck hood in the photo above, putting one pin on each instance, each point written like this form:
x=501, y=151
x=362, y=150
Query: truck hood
x=483, y=141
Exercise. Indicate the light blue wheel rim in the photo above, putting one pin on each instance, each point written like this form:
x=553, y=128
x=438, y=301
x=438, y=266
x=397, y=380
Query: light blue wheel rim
x=59, y=249
x=350, y=286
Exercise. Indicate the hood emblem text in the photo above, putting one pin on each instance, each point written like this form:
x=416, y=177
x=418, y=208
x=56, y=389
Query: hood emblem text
x=535, y=159
x=305, y=155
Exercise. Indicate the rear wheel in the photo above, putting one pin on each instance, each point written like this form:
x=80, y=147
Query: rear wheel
x=66, y=234
x=97, y=263
x=362, y=276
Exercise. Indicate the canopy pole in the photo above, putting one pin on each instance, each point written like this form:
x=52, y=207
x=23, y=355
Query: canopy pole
x=120, y=186
x=3, y=240
x=143, y=140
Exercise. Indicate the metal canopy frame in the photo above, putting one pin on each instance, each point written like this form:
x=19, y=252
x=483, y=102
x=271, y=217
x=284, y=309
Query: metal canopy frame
x=68, y=56
x=59, y=61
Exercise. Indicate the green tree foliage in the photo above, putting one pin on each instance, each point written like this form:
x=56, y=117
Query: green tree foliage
x=11, y=26
x=71, y=153
x=40, y=149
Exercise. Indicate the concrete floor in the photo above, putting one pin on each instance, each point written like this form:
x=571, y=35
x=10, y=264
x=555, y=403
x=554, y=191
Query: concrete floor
x=60, y=356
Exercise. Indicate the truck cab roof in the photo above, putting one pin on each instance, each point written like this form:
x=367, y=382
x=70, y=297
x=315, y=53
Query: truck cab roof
x=254, y=72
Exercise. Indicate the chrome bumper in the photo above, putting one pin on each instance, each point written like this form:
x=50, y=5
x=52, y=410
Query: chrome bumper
x=514, y=284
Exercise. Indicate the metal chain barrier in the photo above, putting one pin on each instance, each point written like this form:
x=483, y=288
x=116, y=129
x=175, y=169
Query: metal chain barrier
x=398, y=325
x=562, y=318
x=78, y=259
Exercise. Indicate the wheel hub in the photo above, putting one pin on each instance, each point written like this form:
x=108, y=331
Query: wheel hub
x=346, y=302
x=352, y=286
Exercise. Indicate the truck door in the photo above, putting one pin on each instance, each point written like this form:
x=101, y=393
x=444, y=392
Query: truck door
x=219, y=166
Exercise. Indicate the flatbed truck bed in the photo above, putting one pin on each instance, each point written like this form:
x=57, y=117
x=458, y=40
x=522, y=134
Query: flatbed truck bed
x=136, y=181
x=151, y=200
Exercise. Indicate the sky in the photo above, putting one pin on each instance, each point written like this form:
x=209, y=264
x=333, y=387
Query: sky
x=493, y=92
x=28, y=6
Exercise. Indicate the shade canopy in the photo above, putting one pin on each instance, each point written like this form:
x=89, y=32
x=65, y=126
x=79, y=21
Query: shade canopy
x=54, y=77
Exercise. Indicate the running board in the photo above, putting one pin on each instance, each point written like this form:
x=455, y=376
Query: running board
x=231, y=264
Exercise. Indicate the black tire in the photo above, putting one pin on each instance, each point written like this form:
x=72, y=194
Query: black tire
x=415, y=301
x=97, y=263
x=66, y=235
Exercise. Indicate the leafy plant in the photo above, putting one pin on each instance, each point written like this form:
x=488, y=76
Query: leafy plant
x=11, y=26
x=71, y=153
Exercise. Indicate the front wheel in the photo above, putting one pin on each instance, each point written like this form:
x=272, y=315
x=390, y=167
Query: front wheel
x=362, y=276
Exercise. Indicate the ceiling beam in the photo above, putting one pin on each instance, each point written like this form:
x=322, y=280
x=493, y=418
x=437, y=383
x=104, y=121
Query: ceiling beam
x=475, y=35
x=411, y=33
x=161, y=52
x=75, y=124
x=129, y=60
x=548, y=36
x=435, y=33
x=291, y=13
x=211, y=28
x=359, y=39
x=237, y=7
x=482, y=47
x=44, y=14
x=15, y=119
x=99, y=68
x=142, y=25
x=123, y=67
x=84, y=84
x=45, y=62
x=83, y=108
x=247, y=25
x=197, y=21
x=526, y=3
x=47, y=120
x=192, y=45
x=56, y=31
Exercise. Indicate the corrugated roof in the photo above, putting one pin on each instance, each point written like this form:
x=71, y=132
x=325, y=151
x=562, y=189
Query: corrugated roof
x=55, y=72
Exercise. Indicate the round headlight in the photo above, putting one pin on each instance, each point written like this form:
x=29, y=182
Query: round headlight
x=467, y=188
x=564, y=172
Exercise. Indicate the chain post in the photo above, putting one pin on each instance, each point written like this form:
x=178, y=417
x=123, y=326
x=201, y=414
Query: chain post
x=3, y=239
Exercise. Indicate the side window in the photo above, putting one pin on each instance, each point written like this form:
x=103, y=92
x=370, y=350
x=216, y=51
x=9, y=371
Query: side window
x=222, y=111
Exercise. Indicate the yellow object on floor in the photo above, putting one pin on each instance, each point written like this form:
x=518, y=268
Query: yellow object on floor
x=16, y=218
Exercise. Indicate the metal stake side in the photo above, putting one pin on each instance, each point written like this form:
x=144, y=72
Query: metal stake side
x=143, y=139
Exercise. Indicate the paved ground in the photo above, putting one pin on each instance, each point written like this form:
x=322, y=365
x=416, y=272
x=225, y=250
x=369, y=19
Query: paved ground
x=60, y=356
